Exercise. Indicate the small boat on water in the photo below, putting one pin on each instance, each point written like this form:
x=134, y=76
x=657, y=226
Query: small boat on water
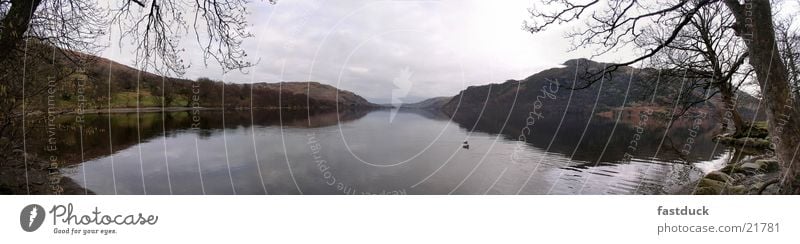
x=465, y=145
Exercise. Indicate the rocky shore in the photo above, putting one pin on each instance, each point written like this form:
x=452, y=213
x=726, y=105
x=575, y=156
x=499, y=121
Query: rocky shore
x=754, y=172
x=753, y=176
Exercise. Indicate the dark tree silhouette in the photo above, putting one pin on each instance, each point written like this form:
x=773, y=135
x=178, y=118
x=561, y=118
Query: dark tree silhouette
x=789, y=43
x=615, y=24
x=706, y=53
x=44, y=40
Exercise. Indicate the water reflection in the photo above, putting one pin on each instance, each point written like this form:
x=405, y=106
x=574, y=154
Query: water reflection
x=362, y=152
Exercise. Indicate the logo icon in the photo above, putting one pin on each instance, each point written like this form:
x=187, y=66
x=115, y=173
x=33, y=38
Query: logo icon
x=31, y=217
x=403, y=84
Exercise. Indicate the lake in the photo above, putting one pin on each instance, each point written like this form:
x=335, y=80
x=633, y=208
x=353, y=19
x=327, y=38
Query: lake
x=377, y=152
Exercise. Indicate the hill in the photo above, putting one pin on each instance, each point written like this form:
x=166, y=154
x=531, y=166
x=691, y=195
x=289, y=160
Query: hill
x=121, y=86
x=547, y=96
x=430, y=103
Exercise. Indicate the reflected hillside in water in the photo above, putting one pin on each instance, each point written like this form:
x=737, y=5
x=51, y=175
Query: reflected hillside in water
x=105, y=134
x=590, y=137
x=368, y=152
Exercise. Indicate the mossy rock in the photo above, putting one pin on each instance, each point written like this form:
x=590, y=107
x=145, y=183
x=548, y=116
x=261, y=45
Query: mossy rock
x=738, y=176
x=705, y=191
x=755, y=131
x=769, y=165
x=750, y=168
x=760, y=143
x=752, y=142
x=736, y=190
x=748, y=142
x=719, y=176
x=772, y=189
x=759, y=166
x=705, y=182
x=709, y=187
x=737, y=169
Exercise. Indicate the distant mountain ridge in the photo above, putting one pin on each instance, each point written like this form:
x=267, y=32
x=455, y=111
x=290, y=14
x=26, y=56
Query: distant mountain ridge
x=318, y=91
x=622, y=87
x=128, y=86
x=430, y=103
x=548, y=100
x=542, y=110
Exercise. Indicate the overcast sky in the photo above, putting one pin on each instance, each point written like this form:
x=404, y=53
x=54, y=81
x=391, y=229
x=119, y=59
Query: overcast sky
x=364, y=46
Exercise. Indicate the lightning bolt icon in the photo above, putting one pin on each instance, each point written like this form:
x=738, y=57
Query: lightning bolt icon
x=33, y=214
x=403, y=83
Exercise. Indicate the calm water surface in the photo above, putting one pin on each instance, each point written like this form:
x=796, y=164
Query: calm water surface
x=365, y=152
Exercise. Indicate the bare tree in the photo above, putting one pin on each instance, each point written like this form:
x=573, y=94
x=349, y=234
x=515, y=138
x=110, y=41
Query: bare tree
x=708, y=54
x=70, y=25
x=789, y=44
x=32, y=31
x=615, y=24
x=156, y=27
x=153, y=26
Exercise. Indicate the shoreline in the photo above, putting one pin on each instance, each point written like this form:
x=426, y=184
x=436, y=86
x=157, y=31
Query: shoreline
x=40, y=179
x=754, y=171
x=185, y=109
x=141, y=110
x=171, y=109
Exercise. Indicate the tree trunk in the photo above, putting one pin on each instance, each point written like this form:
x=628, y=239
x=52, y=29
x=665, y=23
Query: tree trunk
x=730, y=107
x=15, y=24
x=755, y=26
